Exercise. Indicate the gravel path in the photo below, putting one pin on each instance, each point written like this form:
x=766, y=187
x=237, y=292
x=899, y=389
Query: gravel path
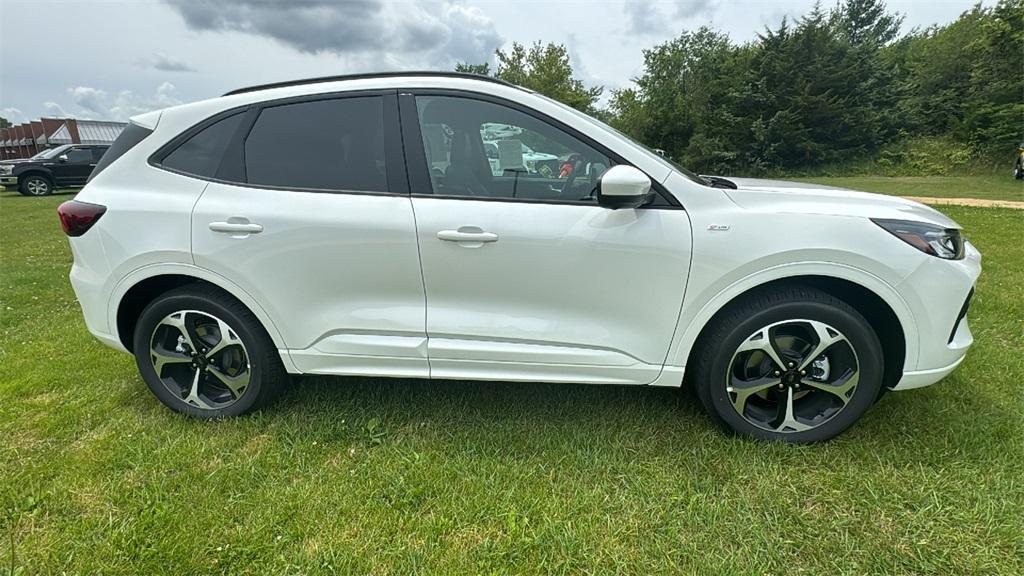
x=968, y=202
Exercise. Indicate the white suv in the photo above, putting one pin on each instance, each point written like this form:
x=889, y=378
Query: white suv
x=353, y=226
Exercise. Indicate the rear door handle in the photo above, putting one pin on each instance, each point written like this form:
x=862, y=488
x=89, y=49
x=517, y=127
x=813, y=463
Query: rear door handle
x=468, y=235
x=233, y=226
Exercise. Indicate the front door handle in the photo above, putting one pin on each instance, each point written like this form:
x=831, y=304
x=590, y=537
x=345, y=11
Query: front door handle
x=467, y=235
x=233, y=226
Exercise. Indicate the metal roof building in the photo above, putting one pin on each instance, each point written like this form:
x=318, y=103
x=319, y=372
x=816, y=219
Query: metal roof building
x=30, y=138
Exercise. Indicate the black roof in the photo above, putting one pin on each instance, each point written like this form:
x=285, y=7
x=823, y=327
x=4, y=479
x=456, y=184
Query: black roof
x=396, y=74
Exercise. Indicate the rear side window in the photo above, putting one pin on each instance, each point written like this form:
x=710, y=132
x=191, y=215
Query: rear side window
x=201, y=154
x=129, y=137
x=335, y=144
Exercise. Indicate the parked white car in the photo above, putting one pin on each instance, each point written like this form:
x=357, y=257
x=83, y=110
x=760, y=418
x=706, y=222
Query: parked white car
x=311, y=227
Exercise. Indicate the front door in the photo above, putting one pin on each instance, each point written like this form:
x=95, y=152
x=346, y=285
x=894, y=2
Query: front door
x=316, y=225
x=526, y=277
x=76, y=169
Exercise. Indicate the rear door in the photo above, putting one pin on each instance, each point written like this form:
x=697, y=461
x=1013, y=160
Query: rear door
x=308, y=212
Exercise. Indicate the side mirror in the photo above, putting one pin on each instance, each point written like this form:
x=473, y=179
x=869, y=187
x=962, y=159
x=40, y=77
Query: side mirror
x=623, y=187
x=62, y=158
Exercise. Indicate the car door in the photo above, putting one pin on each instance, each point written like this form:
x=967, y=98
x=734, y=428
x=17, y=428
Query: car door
x=72, y=168
x=526, y=276
x=307, y=211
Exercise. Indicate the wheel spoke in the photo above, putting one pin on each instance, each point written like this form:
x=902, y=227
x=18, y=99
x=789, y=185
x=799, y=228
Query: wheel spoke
x=193, y=394
x=789, y=419
x=840, y=389
x=177, y=321
x=236, y=384
x=227, y=338
x=744, y=390
x=762, y=341
x=827, y=337
x=162, y=358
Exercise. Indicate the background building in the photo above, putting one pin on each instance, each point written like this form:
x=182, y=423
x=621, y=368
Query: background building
x=30, y=138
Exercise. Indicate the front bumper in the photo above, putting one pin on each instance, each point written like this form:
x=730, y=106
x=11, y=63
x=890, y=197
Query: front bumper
x=939, y=292
x=8, y=181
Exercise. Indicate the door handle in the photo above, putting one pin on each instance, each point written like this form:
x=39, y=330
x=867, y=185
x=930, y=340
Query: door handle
x=467, y=234
x=230, y=227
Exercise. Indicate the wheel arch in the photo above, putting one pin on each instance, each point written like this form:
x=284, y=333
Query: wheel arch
x=138, y=289
x=36, y=172
x=881, y=306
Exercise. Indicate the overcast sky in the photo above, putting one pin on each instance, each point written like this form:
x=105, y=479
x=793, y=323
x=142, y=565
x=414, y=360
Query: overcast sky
x=114, y=59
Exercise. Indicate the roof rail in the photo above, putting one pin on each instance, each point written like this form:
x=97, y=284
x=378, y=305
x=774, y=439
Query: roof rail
x=394, y=74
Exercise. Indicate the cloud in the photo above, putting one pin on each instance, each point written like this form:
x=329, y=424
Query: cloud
x=97, y=104
x=438, y=33
x=89, y=98
x=648, y=18
x=164, y=63
x=12, y=114
x=644, y=18
x=695, y=8
x=54, y=109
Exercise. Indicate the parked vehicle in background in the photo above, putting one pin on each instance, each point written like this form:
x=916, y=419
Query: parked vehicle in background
x=353, y=226
x=64, y=166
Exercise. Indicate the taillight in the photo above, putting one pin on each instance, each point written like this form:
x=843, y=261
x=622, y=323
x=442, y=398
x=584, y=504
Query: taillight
x=77, y=217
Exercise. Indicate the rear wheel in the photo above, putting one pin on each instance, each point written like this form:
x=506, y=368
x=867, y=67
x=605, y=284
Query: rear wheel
x=204, y=354
x=796, y=365
x=35, y=185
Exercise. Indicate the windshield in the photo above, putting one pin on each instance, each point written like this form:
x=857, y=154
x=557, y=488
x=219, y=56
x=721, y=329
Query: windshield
x=51, y=153
x=669, y=163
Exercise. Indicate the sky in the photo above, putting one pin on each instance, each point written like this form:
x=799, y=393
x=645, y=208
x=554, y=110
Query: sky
x=111, y=60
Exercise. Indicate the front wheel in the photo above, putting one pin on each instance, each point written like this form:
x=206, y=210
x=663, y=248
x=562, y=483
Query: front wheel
x=204, y=354
x=795, y=365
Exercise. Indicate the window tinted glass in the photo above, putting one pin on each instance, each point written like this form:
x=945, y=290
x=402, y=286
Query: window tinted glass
x=477, y=148
x=79, y=156
x=129, y=137
x=97, y=153
x=326, y=144
x=201, y=154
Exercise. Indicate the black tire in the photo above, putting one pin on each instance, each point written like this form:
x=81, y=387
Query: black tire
x=713, y=361
x=35, y=185
x=266, y=374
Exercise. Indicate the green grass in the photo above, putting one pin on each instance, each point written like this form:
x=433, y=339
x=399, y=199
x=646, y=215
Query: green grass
x=994, y=187
x=408, y=476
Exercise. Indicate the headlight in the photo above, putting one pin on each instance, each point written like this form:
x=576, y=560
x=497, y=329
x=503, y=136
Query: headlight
x=6, y=169
x=945, y=243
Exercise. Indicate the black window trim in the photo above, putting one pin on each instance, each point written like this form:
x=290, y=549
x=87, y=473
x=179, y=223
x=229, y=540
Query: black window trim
x=416, y=158
x=394, y=156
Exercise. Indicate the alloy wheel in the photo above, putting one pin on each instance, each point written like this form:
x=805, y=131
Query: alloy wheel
x=37, y=187
x=792, y=376
x=200, y=359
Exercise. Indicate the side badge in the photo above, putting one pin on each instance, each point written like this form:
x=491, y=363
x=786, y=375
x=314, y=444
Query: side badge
x=718, y=227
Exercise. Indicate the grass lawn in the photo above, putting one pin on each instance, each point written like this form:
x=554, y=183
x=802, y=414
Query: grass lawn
x=995, y=187
x=410, y=476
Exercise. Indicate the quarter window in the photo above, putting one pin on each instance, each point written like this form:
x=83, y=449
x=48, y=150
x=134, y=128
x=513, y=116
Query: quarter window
x=201, y=154
x=335, y=144
x=482, y=149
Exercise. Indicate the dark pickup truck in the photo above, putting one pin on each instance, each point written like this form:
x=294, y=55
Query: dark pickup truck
x=64, y=166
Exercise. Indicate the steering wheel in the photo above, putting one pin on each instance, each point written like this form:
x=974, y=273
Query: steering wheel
x=571, y=178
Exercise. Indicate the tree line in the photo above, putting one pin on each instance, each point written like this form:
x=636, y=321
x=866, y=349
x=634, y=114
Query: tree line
x=834, y=87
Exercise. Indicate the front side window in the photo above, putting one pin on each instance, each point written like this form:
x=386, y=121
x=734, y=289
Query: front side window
x=335, y=144
x=482, y=149
x=202, y=153
x=79, y=156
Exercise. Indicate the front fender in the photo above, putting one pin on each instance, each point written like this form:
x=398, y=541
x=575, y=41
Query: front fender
x=695, y=315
